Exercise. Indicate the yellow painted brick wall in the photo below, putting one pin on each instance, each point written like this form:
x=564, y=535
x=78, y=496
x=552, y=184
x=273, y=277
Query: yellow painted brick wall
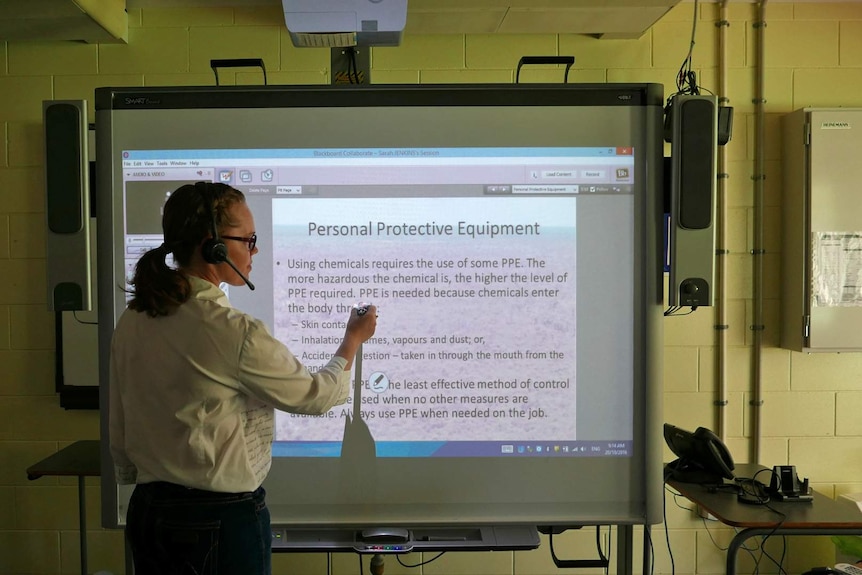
x=811, y=402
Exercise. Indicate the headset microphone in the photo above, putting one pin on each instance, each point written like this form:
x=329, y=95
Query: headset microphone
x=239, y=273
x=214, y=250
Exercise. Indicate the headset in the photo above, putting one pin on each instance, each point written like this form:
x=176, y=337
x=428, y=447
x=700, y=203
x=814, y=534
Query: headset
x=214, y=250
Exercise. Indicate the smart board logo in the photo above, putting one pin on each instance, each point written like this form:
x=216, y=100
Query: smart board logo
x=835, y=126
x=141, y=101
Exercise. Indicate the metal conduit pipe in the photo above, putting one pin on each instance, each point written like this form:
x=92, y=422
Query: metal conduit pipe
x=757, y=248
x=721, y=252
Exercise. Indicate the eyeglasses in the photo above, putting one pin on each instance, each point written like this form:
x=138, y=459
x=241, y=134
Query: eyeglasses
x=250, y=240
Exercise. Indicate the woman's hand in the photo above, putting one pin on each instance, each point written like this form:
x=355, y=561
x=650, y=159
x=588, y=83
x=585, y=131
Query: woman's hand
x=361, y=325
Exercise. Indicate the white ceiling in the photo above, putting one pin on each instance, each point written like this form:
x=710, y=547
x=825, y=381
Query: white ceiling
x=104, y=20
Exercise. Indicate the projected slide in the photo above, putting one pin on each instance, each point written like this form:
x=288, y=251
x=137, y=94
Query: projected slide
x=476, y=260
x=476, y=336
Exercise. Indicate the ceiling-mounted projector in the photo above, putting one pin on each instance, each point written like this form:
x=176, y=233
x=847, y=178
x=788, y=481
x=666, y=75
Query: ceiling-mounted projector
x=340, y=23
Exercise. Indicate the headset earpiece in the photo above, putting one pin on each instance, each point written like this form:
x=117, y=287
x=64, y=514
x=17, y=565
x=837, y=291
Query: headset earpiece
x=213, y=250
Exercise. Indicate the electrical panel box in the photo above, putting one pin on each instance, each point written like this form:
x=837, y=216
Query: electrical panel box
x=821, y=299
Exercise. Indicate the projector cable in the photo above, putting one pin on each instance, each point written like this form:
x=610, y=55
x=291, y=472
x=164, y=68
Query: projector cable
x=601, y=563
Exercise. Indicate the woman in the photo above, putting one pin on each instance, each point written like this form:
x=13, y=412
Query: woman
x=193, y=387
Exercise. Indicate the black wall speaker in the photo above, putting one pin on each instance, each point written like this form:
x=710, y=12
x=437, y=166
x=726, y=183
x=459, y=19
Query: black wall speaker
x=67, y=205
x=693, y=123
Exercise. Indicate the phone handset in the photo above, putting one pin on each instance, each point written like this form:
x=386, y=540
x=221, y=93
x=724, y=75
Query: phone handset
x=720, y=455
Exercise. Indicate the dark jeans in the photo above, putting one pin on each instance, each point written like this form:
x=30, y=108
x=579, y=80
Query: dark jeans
x=174, y=530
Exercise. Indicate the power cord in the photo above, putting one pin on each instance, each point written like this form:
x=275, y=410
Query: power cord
x=758, y=492
x=667, y=532
x=421, y=563
x=686, y=79
x=676, y=310
x=648, y=536
x=83, y=321
x=602, y=562
x=352, y=68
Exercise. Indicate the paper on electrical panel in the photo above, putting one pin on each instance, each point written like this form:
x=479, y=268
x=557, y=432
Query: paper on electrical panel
x=836, y=269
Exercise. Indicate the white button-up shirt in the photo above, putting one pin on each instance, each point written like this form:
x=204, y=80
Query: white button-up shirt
x=192, y=394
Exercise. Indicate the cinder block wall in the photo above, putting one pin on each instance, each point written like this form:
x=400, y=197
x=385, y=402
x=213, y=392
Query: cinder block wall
x=811, y=402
